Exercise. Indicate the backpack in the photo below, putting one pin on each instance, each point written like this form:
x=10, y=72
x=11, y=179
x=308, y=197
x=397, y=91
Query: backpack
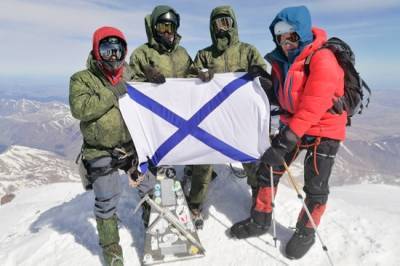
x=354, y=99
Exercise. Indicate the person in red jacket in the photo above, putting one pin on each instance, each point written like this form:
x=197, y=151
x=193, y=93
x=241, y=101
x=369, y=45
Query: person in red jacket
x=307, y=123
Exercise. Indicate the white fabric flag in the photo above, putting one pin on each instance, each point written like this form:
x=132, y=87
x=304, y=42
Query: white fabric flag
x=187, y=121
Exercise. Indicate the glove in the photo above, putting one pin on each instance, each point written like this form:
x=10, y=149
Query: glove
x=257, y=71
x=205, y=74
x=281, y=144
x=130, y=166
x=119, y=91
x=266, y=84
x=153, y=75
x=143, y=182
x=338, y=106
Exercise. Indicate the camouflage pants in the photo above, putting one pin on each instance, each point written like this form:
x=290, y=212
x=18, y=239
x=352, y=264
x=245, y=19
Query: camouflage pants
x=201, y=178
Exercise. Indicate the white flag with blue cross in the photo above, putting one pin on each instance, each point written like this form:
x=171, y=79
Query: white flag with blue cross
x=187, y=121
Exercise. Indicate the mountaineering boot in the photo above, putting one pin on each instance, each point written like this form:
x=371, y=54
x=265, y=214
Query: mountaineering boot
x=109, y=241
x=196, y=216
x=301, y=241
x=304, y=236
x=257, y=224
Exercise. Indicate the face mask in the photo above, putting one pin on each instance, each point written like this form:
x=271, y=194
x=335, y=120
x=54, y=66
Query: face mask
x=222, y=34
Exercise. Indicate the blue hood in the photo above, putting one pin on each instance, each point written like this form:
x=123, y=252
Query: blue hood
x=299, y=17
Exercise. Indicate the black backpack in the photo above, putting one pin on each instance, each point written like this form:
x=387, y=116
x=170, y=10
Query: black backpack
x=354, y=99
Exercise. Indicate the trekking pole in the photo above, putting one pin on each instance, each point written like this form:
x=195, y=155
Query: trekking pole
x=291, y=179
x=273, y=204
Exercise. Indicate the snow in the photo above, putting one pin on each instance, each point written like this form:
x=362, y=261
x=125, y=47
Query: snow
x=22, y=166
x=54, y=225
x=380, y=146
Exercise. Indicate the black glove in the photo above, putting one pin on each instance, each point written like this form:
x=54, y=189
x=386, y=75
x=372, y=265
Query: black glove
x=257, y=71
x=153, y=75
x=205, y=75
x=338, y=106
x=151, y=167
x=281, y=144
x=266, y=84
x=133, y=171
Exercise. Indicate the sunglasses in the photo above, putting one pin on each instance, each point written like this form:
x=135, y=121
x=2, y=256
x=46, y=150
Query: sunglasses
x=112, y=49
x=223, y=23
x=283, y=39
x=164, y=27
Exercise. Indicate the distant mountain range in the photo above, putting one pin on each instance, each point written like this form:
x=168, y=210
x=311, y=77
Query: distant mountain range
x=40, y=88
x=371, y=153
x=22, y=167
x=42, y=125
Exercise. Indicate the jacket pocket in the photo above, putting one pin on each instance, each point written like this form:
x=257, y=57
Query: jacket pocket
x=90, y=132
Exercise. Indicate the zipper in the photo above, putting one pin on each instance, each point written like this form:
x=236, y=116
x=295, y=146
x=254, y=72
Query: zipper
x=121, y=127
x=174, y=72
x=226, y=61
x=121, y=119
x=290, y=94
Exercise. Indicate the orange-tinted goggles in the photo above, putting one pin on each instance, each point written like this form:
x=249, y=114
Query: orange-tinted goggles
x=164, y=27
x=284, y=38
x=223, y=23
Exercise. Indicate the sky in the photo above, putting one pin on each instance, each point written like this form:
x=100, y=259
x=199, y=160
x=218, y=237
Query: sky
x=50, y=39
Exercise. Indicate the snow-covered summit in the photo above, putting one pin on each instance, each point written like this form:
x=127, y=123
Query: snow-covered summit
x=54, y=225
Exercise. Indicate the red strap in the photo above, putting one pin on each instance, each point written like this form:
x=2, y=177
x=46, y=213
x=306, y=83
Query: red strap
x=264, y=199
x=298, y=146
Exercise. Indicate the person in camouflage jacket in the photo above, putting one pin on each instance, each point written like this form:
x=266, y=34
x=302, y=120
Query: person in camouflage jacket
x=226, y=54
x=161, y=56
x=107, y=146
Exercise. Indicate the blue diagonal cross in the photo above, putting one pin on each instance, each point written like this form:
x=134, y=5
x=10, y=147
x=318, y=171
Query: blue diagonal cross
x=190, y=127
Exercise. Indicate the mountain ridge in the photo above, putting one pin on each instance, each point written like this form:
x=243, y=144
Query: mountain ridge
x=22, y=167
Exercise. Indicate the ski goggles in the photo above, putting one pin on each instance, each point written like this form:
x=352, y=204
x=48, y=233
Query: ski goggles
x=287, y=38
x=163, y=27
x=223, y=23
x=112, y=49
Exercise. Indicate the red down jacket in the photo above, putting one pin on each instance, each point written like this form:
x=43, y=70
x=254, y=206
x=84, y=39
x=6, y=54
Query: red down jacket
x=308, y=98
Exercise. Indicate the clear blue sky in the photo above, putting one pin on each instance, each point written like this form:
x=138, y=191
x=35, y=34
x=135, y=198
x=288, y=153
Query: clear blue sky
x=52, y=38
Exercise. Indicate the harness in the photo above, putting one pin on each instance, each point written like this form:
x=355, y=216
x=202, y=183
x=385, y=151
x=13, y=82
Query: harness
x=119, y=158
x=300, y=146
